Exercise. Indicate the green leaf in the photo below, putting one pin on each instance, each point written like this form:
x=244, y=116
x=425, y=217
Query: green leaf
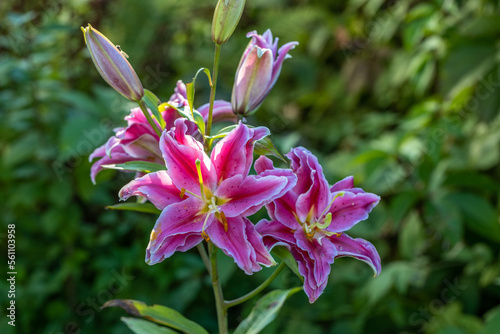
x=480, y=216
x=140, y=326
x=137, y=166
x=266, y=147
x=152, y=102
x=159, y=314
x=284, y=254
x=190, y=92
x=139, y=207
x=264, y=311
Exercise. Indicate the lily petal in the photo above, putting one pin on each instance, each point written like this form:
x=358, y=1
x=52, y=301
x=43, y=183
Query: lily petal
x=178, y=218
x=359, y=249
x=157, y=187
x=311, y=185
x=247, y=195
x=175, y=243
x=233, y=155
x=235, y=243
x=180, y=152
x=223, y=111
x=350, y=209
x=322, y=254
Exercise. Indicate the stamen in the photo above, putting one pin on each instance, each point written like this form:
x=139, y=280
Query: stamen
x=200, y=177
x=205, y=236
x=224, y=221
x=340, y=194
x=184, y=191
x=326, y=222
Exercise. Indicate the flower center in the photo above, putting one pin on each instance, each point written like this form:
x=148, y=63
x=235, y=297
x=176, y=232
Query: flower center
x=212, y=203
x=312, y=226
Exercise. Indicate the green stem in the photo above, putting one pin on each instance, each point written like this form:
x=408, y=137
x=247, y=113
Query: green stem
x=213, y=87
x=219, y=297
x=204, y=257
x=234, y=302
x=149, y=118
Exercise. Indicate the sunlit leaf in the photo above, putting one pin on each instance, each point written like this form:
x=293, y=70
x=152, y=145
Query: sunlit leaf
x=137, y=166
x=139, y=207
x=152, y=102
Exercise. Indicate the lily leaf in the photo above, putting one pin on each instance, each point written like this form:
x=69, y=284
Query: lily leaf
x=140, y=326
x=152, y=102
x=190, y=90
x=264, y=311
x=139, y=207
x=137, y=166
x=160, y=314
x=284, y=254
x=266, y=147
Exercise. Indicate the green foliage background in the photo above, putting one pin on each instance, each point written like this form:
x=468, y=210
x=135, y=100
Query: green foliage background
x=403, y=95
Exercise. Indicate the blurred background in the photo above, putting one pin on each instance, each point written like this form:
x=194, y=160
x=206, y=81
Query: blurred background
x=404, y=95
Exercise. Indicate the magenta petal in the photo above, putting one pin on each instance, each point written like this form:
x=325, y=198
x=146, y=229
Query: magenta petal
x=145, y=147
x=235, y=243
x=233, y=155
x=323, y=255
x=248, y=195
x=282, y=55
x=223, y=111
x=178, y=218
x=359, y=249
x=156, y=187
x=275, y=233
x=349, y=209
x=170, y=245
x=180, y=152
x=311, y=185
x=118, y=157
x=262, y=255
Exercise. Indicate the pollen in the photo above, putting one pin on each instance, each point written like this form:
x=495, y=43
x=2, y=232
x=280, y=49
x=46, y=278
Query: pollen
x=183, y=192
x=205, y=236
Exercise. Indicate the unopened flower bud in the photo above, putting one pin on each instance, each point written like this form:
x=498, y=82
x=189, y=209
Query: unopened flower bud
x=112, y=65
x=226, y=17
x=258, y=71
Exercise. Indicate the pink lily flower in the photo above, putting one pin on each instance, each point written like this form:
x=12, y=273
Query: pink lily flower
x=258, y=71
x=139, y=142
x=209, y=198
x=310, y=220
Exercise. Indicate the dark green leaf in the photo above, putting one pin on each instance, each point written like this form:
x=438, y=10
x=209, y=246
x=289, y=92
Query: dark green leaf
x=480, y=216
x=140, y=326
x=284, y=254
x=264, y=311
x=159, y=314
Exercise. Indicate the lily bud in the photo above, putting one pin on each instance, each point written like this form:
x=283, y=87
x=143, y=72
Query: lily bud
x=112, y=65
x=258, y=71
x=226, y=17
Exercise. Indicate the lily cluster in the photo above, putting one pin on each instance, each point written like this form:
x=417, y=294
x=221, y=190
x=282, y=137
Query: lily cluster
x=207, y=194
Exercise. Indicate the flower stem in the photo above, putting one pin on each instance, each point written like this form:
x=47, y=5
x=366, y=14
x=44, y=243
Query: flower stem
x=204, y=257
x=149, y=118
x=219, y=297
x=213, y=87
x=234, y=302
